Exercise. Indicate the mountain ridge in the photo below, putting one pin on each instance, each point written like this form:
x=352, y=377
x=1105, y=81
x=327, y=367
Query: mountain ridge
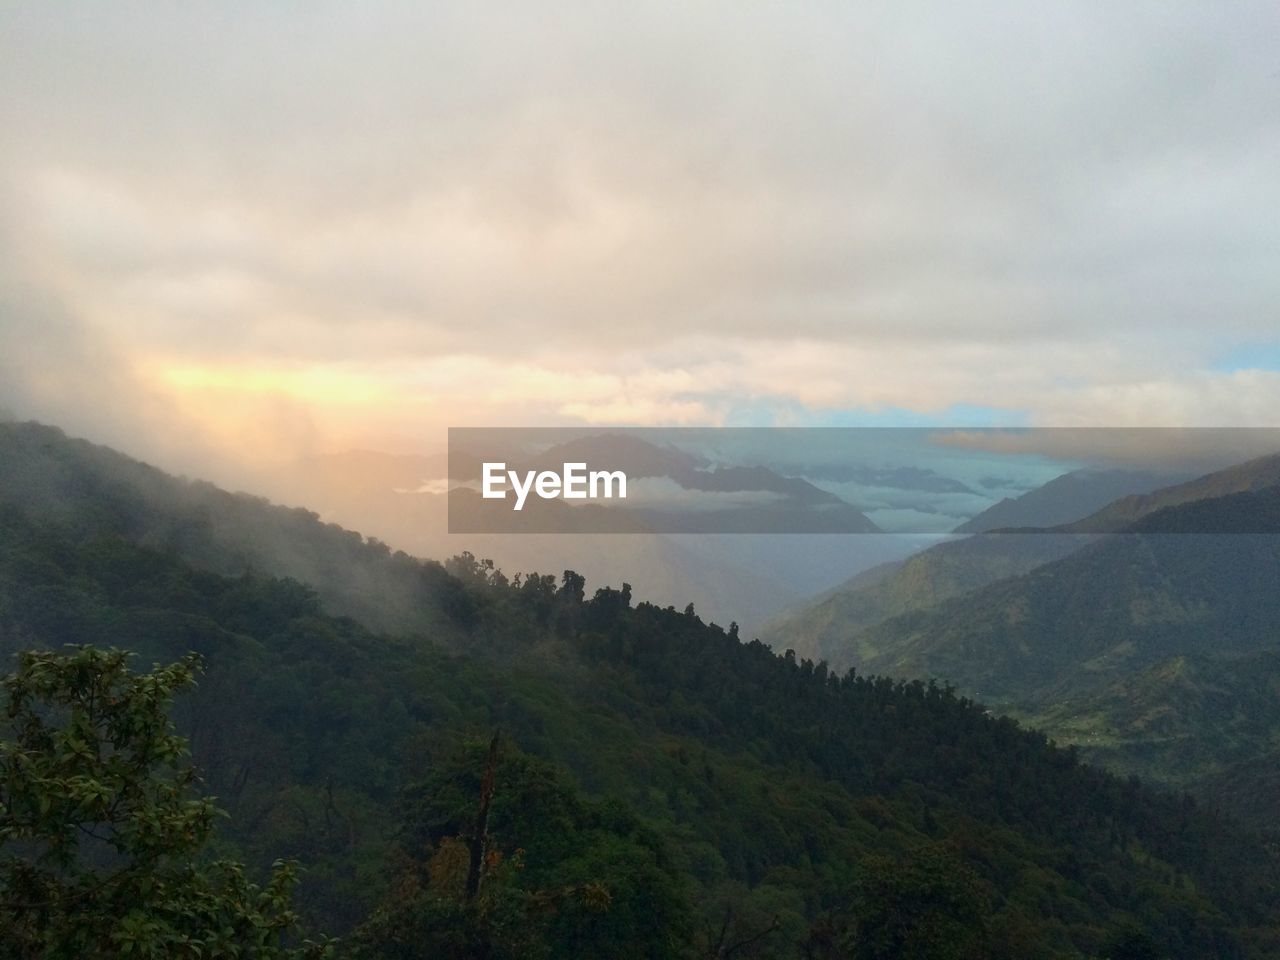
x=1067, y=498
x=765, y=783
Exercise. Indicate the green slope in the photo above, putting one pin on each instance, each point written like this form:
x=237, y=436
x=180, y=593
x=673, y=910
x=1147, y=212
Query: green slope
x=767, y=780
x=832, y=627
x=1118, y=605
x=86, y=487
x=1066, y=499
x=1190, y=718
x=1257, y=474
x=1155, y=652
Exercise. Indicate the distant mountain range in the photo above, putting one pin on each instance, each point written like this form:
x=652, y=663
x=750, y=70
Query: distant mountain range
x=744, y=578
x=1067, y=498
x=829, y=627
x=693, y=496
x=1154, y=651
x=1114, y=605
x=707, y=792
x=1256, y=474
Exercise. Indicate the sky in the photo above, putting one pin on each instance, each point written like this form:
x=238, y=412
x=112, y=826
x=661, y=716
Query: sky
x=259, y=231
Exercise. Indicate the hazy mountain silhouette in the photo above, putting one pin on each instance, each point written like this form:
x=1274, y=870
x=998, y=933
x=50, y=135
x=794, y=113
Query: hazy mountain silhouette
x=1066, y=499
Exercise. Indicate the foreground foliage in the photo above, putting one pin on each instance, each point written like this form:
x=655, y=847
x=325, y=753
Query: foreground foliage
x=501, y=857
x=778, y=809
x=101, y=830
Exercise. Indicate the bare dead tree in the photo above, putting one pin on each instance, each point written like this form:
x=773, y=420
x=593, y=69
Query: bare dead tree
x=480, y=837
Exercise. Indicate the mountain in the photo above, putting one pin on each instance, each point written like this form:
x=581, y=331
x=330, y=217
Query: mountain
x=668, y=789
x=1201, y=721
x=1257, y=474
x=832, y=626
x=1066, y=499
x=1117, y=604
x=48, y=476
x=1154, y=651
x=744, y=577
x=669, y=491
x=62, y=478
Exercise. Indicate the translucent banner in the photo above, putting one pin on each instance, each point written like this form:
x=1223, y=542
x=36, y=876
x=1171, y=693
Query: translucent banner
x=863, y=480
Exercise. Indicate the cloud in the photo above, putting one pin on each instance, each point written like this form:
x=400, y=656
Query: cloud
x=297, y=227
x=58, y=366
x=1173, y=448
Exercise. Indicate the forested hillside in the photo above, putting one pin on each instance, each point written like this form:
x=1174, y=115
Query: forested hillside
x=651, y=765
x=1069, y=626
x=833, y=626
x=1150, y=650
x=1200, y=721
x=753, y=791
x=46, y=472
x=1066, y=499
x=1252, y=475
x=91, y=489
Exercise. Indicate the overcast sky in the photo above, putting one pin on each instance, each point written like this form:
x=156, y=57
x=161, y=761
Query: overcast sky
x=275, y=228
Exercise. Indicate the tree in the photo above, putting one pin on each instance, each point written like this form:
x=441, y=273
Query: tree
x=927, y=906
x=503, y=859
x=1130, y=943
x=101, y=827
